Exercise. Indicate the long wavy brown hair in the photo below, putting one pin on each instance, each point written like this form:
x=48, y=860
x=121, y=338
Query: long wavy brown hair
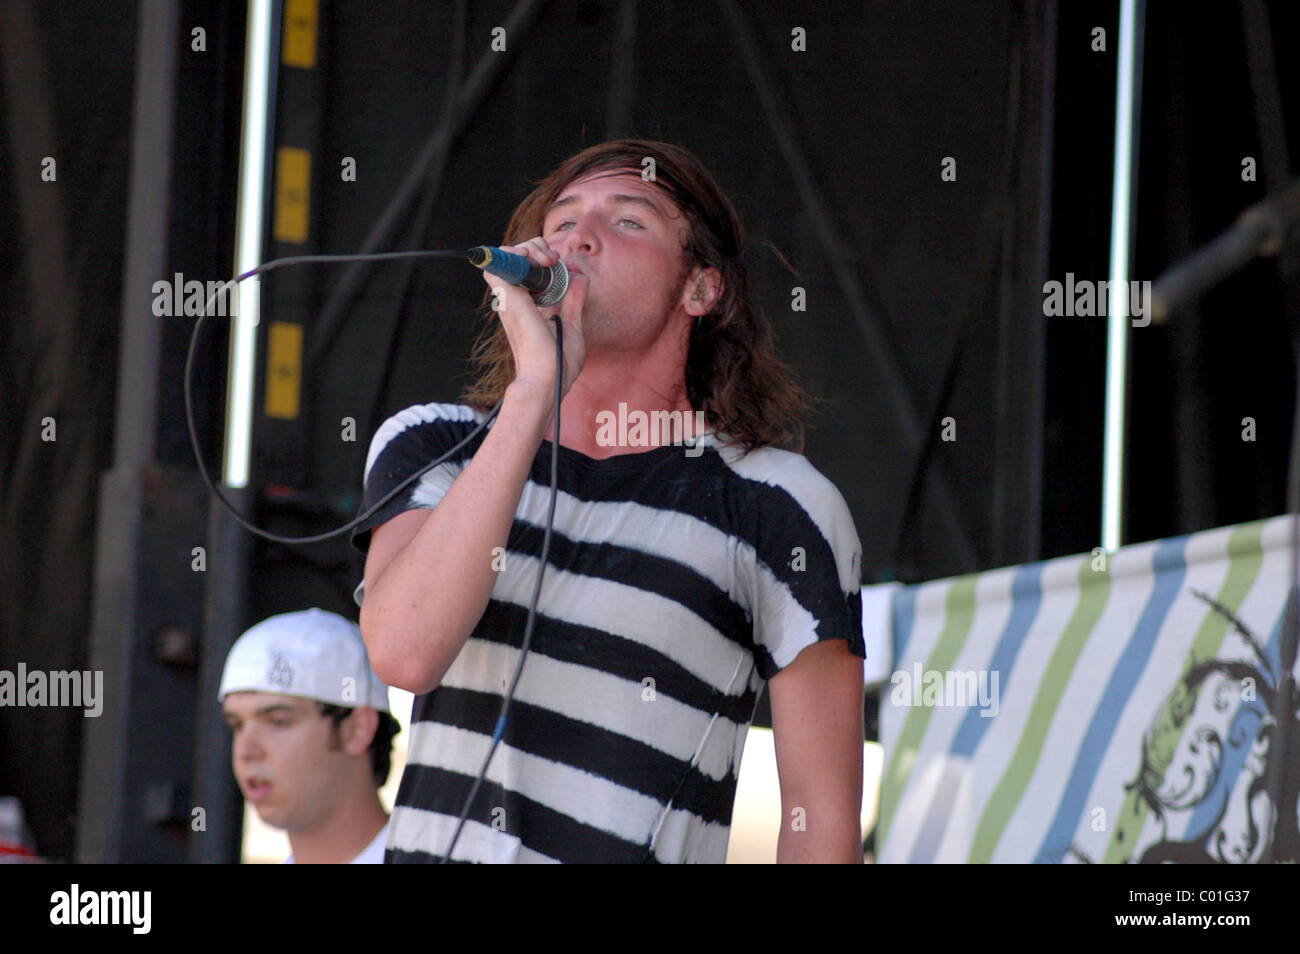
x=733, y=373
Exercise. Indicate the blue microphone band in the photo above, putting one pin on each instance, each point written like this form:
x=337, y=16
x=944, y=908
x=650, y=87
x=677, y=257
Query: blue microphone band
x=507, y=265
x=547, y=285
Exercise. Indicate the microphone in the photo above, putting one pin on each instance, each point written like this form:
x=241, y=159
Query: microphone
x=547, y=285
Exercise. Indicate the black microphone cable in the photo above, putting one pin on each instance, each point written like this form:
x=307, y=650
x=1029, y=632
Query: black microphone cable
x=189, y=399
x=503, y=716
x=500, y=729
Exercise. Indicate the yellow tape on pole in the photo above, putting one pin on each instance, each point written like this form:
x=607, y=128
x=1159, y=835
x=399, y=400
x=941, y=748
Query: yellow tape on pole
x=283, y=370
x=300, y=18
x=292, y=194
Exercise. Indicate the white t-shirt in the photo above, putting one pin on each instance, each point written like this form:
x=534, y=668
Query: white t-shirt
x=372, y=854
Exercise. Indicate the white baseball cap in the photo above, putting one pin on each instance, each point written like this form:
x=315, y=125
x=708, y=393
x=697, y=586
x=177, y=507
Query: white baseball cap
x=310, y=653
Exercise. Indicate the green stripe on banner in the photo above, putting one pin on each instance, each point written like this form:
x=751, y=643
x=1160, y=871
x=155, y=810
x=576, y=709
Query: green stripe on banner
x=1094, y=593
x=1245, y=557
x=959, y=613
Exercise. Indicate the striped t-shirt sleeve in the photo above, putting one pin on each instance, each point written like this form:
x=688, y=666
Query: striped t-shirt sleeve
x=407, y=441
x=805, y=579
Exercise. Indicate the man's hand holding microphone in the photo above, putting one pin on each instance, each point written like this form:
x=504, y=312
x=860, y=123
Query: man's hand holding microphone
x=531, y=331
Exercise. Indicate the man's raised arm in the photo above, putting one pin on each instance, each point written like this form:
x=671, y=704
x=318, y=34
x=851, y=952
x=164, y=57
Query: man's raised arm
x=429, y=573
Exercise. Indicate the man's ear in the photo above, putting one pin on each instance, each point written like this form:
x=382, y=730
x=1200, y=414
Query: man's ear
x=358, y=730
x=703, y=290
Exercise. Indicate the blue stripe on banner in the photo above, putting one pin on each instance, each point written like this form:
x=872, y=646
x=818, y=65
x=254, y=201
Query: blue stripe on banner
x=904, y=619
x=1026, y=599
x=1169, y=564
x=1245, y=725
x=1273, y=651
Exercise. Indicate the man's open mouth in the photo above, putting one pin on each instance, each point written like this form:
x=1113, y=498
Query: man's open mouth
x=256, y=788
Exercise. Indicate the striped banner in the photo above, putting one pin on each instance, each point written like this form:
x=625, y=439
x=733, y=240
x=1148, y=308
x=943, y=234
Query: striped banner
x=1117, y=708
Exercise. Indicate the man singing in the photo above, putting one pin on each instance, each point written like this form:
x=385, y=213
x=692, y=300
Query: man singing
x=680, y=576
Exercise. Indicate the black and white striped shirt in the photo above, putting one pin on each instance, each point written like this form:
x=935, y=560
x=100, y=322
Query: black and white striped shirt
x=675, y=585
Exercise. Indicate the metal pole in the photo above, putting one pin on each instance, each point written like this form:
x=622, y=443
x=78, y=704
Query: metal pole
x=103, y=810
x=1128, y=93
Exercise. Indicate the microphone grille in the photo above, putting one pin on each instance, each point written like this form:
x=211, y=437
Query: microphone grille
x=556, y=290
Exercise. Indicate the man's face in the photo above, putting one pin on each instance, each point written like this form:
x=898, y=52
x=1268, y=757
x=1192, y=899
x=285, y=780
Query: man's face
x=286, y=758
x=626, y=236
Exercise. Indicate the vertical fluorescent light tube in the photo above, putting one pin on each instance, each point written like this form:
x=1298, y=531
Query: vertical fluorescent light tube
x=1112, y=496
x=248, y=243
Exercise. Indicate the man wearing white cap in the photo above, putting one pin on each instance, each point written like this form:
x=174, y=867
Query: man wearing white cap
x=313, y=735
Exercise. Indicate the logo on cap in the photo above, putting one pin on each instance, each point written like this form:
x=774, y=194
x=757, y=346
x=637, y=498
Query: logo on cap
x=280, y=673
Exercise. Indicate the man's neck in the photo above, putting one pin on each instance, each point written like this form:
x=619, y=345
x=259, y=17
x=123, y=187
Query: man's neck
x=339, y=839
x=649, y=381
